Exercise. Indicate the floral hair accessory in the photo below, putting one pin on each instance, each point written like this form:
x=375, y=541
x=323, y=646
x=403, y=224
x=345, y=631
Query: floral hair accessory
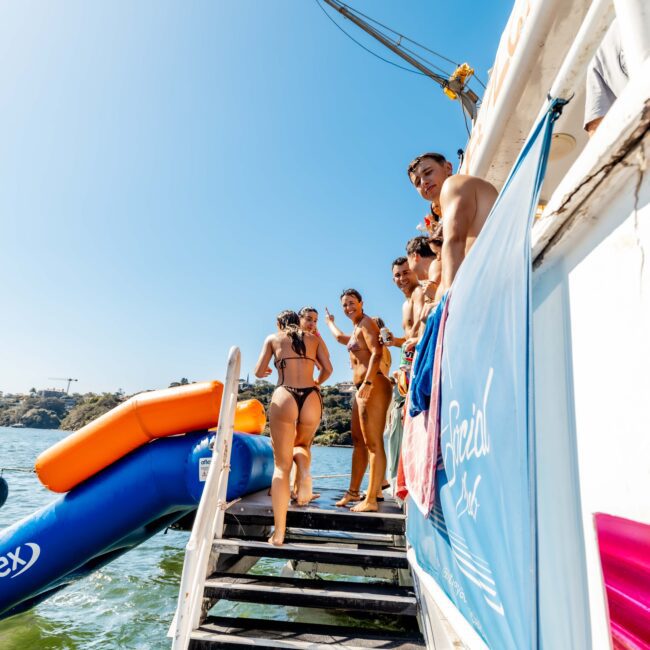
x=429, y=225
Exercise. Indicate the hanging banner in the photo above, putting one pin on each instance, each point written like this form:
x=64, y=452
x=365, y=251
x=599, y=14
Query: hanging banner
x=478, y=540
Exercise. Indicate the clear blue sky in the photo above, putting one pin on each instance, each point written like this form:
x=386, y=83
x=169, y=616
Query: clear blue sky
x=174, y=174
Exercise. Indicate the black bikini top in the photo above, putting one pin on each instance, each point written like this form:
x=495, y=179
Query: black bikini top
x=281, y=364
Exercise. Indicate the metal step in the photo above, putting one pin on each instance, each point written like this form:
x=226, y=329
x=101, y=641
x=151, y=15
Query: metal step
x=323, y=536
x=372, y=573
x=336, y=537
x=354, y=554
x=322, y=514
x=317, y=519
x=219, y=632
x=324, y=594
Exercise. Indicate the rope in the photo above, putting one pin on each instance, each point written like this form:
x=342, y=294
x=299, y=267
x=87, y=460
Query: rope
x=16, y=469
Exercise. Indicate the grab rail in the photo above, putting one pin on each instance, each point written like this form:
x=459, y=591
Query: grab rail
x=210, y=514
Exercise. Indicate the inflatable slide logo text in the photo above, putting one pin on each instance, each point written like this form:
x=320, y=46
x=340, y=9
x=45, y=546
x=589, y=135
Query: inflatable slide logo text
x=13, y=564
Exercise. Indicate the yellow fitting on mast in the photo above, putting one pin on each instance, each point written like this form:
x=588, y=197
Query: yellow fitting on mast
x=458, y=80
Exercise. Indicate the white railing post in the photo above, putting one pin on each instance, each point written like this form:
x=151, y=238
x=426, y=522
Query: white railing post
x=572, y=74
x=221, y=458
x=209, y=515
x=573, y=71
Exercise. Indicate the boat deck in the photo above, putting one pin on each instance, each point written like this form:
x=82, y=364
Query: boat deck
x=344, y=576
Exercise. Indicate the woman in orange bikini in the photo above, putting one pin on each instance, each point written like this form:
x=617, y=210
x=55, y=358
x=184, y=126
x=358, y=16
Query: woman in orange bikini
x=295, y=410
x=370, y=404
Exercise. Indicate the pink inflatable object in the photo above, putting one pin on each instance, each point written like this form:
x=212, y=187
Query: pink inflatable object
x=625, y=558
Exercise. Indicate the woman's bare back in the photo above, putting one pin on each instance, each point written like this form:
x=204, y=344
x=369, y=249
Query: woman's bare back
x=294, y=370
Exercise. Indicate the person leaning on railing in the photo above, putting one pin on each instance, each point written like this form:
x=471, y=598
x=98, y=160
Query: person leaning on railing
x=606, y=77
x=462, y=203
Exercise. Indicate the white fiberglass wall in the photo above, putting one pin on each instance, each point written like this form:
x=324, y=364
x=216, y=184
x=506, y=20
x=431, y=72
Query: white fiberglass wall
x=592, y=389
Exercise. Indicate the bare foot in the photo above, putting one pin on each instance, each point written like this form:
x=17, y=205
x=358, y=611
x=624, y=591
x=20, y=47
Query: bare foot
x=295, y=484
x=297, y=502
x=276, y=539
x=380, y=494
x=313, y=497
x=305, y=492
x=349, y=496
x=365, y=506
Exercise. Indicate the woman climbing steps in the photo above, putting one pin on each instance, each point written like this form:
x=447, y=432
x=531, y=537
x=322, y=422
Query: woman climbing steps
x=295, y=411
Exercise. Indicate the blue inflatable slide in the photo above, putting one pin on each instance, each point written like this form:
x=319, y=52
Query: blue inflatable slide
x=117, y=509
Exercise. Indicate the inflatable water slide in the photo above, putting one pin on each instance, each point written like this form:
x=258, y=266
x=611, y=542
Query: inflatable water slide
x=124, y=477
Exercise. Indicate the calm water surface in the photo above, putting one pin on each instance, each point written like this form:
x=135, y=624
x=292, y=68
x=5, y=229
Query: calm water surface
x=130, y=602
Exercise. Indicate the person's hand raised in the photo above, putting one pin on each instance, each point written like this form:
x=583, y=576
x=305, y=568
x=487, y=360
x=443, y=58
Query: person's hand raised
x=328, y=317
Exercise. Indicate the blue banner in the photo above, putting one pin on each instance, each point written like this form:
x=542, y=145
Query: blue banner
x=478, y=542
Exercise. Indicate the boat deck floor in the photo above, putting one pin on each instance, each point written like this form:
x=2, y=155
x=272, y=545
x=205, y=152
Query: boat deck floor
x=320, y=514
x=376, y=608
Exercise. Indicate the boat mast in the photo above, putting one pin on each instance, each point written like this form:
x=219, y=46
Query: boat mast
x=456, y=84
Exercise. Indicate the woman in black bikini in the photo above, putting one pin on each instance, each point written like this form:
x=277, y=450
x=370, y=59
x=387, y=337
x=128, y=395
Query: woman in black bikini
x=295, y=410
x=370, y=405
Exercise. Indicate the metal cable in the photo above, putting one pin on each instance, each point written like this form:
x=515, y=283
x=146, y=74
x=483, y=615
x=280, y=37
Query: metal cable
x=401, y=67
x=410, y=40
x=402, y=36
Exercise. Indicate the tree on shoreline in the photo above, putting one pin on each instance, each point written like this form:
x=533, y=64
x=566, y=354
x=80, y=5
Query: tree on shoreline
x=32, y=411
x=90, y=408
x=73, y=412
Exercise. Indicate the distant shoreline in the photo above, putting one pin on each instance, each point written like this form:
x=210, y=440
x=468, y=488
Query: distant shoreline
x=317, y=444
x=52, y=410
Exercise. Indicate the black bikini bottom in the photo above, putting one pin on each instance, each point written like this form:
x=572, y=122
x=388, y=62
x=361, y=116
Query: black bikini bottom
x=301, y=395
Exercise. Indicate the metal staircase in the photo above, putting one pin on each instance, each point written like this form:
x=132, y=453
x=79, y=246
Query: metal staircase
x=363, y=555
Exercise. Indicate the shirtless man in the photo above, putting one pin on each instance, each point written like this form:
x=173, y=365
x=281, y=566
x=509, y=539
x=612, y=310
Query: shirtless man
x=462, y=203
x=424, y=260
x=406, y=281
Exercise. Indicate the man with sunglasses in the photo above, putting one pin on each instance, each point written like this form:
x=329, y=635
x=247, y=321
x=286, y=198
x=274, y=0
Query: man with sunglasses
x=458, y=201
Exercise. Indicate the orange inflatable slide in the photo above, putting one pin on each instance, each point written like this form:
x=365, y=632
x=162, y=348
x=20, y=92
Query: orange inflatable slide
x=250, y=416
x=137, y=421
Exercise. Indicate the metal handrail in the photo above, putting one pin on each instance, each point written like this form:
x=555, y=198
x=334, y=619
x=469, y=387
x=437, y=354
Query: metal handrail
x=209, y=515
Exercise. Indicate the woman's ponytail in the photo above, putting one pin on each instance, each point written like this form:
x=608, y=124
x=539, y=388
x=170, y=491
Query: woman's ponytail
x=289, y=322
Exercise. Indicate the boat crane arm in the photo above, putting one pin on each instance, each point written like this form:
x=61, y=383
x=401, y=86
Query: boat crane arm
x=454, y=87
